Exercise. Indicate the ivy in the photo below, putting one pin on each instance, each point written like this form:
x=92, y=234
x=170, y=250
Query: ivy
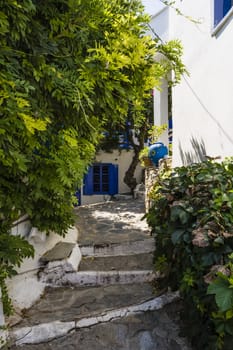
x=191, y=217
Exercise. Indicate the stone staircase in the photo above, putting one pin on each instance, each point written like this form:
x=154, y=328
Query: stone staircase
x=106, y=302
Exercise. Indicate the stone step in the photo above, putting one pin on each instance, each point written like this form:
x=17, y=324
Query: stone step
x=65, y=256
x=118, y=263
x=134, y=310
x=95, y=278
x=116, y=249
x=68, y=303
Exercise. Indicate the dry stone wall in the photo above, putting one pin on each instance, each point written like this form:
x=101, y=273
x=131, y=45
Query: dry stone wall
x=151, y=177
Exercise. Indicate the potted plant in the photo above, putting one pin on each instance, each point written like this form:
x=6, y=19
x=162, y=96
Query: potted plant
x=144, y=157
x=153, y=135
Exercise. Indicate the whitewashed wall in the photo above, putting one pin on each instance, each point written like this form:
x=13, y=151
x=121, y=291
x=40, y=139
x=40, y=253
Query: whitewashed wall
x=152, y=7
x=25, y=288
x=203, y=103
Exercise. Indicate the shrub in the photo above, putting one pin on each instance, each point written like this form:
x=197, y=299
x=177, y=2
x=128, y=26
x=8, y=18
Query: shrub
x=192, y=220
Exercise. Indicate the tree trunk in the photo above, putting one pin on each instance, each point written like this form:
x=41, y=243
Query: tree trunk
x=129, y=178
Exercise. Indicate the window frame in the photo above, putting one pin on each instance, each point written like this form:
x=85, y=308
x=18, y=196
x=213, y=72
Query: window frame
x=218, y=26
x=90, y=180
x=101, y=178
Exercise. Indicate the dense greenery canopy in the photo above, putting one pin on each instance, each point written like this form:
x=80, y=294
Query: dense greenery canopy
x=66, y=68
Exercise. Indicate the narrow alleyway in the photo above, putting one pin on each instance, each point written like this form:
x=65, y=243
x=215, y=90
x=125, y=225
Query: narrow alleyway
x=110, y=302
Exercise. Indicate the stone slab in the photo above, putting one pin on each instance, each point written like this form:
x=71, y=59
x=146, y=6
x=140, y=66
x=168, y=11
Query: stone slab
x=115, y=249
x=67, y=303
x=120, y=263
x=60, y=251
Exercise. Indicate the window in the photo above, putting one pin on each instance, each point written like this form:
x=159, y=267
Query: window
x=221, y=8
x=101, y=179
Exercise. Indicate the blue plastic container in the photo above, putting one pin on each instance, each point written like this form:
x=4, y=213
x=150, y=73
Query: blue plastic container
x=157, y=151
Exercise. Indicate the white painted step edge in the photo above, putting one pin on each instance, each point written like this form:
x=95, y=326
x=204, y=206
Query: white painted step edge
x=98, y=278
x=48, y=331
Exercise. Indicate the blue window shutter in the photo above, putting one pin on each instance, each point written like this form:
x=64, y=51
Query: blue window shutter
x=221, y=7
x=226, y=6
x=88, y=182
x=105, y=181
x=113, y=179
x=78, y=196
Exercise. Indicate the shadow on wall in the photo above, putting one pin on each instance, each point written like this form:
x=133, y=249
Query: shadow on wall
x=196, y=155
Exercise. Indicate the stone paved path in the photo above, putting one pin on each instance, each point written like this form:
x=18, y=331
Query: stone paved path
x=69, y=303
x=112, y=222
x=116, y=313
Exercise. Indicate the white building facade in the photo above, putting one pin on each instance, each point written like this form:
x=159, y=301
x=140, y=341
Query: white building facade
x=202, y=102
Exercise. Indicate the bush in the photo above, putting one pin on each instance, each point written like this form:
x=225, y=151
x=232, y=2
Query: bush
x=192, y=220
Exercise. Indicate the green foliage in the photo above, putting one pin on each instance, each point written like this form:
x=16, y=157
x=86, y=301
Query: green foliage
x=172, y=60
x=167, y=63
x=155, y=132
x=191, y=217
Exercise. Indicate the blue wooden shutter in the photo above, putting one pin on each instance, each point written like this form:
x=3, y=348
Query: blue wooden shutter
x=88, y=182
x=101, y=179
x=78, y=195
x=221, y=7
x=113, y=179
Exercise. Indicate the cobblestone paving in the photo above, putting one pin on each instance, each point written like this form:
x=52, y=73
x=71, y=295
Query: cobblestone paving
x=112, y=222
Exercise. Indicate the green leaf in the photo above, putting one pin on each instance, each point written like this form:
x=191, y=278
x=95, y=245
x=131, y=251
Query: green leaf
x=34, y=124
x=219, y=240
x=223, y=294
x=176, y=236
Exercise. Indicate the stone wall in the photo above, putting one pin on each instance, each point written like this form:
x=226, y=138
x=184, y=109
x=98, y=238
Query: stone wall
x=151, y=173
x=151, y=176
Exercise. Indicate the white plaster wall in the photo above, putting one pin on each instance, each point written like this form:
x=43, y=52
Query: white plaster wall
x=152, y=6
x=123, y=159
x=159, y=23
x=24, y=288
x=202, y=102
